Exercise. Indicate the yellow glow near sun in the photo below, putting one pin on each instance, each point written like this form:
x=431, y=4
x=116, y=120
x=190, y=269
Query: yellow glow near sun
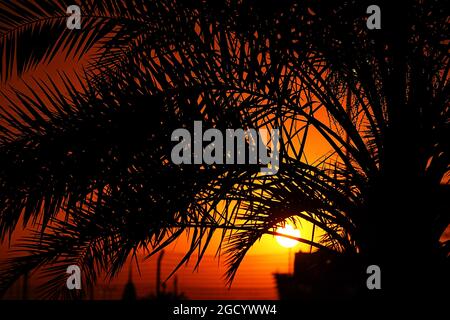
x=290, y=231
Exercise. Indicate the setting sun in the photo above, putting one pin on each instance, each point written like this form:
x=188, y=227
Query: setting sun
x=290, y=231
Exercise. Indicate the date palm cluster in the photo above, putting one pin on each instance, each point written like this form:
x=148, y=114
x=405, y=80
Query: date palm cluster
x=85, y=156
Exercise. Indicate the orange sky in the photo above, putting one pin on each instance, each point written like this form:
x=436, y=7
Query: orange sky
x=254, y=279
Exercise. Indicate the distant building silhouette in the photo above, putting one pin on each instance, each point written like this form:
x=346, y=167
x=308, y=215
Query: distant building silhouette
x=129, y=292
x=320, y=275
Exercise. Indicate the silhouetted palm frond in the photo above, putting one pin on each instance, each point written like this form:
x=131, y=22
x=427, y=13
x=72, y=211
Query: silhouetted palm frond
x=90, y=159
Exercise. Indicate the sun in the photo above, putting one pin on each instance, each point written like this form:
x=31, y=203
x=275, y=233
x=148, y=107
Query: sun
x=290, y=231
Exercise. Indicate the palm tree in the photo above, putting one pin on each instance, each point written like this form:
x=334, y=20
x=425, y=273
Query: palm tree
x=86, y=157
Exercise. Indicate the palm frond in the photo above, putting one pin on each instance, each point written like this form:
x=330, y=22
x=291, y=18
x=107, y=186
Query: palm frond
x=99, y=154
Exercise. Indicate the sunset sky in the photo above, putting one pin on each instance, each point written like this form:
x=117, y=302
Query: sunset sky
x=254, y=280
x=357, y=125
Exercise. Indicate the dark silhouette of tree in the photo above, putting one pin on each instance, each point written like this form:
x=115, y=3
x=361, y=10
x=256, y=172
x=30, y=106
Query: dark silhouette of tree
x=88, y=157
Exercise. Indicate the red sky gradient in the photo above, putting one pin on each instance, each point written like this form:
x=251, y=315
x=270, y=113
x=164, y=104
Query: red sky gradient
x=254, y=279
